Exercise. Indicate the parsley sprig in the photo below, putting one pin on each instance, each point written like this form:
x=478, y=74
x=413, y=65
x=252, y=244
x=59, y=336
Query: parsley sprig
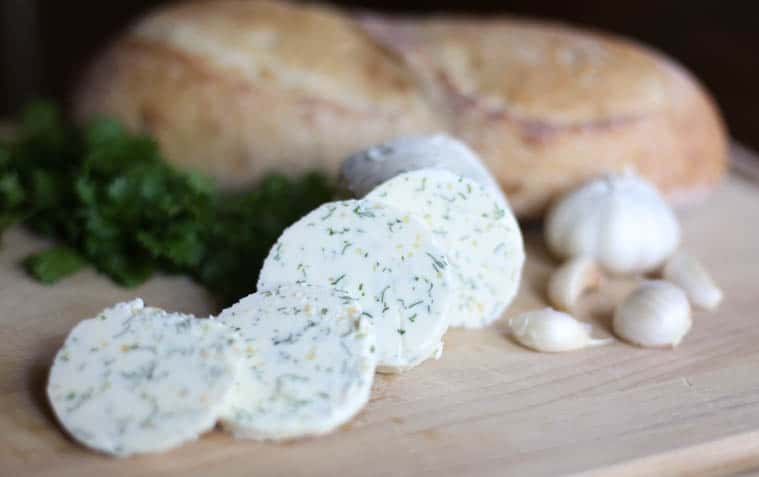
x=111, y=201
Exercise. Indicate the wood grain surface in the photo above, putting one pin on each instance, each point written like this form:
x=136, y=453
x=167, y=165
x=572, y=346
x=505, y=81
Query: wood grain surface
x=487, y=407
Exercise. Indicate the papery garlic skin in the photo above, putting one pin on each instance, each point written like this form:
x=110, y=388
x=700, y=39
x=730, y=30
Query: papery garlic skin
x=620, y=220
x=552, y=331
x=654, y=315
x=688, y=273
x=571, y=280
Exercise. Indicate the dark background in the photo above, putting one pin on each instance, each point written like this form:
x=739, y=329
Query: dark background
x=44, y=43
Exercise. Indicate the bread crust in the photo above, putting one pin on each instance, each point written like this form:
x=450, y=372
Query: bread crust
x=238, y=88
x=548, y=107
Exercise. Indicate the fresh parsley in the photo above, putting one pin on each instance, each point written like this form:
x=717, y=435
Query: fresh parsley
x=111, y=201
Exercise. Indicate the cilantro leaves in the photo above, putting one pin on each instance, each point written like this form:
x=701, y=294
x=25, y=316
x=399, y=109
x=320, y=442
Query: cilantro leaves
x=108, y=196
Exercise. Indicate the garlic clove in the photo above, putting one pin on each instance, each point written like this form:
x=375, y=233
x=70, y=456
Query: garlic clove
x=688, y=273
x=656, y=314
x=552, y=331
x=620, y=220
x=571, y=280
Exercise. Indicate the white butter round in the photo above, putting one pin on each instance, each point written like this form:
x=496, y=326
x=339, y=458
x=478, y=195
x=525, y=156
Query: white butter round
x=134, y=380
x=382, y=257
x=309, y=363
x=478, y=232
x=365, y=170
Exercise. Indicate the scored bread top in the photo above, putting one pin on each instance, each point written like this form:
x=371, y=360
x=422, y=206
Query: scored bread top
x=533, y=70
x=272, y=45
x=548, y=106
x=239, y=88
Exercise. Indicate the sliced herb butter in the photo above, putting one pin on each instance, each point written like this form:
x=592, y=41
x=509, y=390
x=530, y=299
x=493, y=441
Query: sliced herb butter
x=385, y=259
x=310, y=357
x=365, y=170
x=136, y=379
x=478, y=232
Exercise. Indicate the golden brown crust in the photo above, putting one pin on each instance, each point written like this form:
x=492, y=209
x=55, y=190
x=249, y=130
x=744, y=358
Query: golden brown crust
x=236, y=88
x=229, y=88
x=548, y=106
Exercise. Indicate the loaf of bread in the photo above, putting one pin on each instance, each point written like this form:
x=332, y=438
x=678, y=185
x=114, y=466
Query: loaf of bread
x=239, y=88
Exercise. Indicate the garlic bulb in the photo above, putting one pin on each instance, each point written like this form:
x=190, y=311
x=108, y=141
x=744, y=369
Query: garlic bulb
x=571, y=280
x=365, y=170
x=552, y=331
x=688, y=273
x=656, y=314
x=620, y=220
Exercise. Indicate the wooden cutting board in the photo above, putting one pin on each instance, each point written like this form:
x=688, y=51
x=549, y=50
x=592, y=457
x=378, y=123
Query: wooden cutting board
x=487, y=407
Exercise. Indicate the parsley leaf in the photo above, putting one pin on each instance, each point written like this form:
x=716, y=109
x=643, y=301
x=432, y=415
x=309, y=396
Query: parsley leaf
x=53, y=264
x=109, y=197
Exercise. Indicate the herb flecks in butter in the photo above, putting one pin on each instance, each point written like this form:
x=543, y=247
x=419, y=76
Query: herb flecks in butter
x=482, y=241
x=399, y=273
x=309, y=375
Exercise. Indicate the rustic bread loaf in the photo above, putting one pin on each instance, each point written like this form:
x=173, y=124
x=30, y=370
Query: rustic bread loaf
x=237, y=88
x=548, y=106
